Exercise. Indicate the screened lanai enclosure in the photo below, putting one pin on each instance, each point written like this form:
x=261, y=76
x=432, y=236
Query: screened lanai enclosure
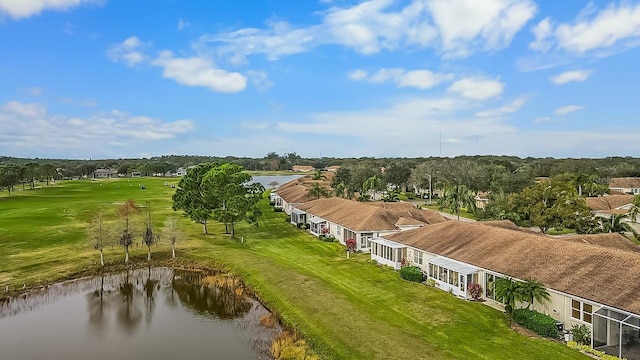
x=617, y=333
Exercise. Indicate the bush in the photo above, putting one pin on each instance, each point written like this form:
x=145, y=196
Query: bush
x=302, y=226
x=277, y=209
x=327, y=238
x=272, y=203
x=581, y=334
x=431, y=282
x=475, y=290
x=541, y=324
x=411, y=273
x=589, y=350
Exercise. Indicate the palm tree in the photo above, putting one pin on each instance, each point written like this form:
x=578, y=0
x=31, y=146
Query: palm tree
x=373, y=183
x=392, y=196
x=318, y=175
x=532, y=290
x=618, y=224
x=508, y=292
x=457, y=196
x=317, y=191
x=635, y=208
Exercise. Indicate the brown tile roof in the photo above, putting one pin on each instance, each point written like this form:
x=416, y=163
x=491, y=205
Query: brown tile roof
x=625, y=183
x=369, y=216
x=608, y=202
x=506, y=224
x=333, y=168
x=297, y=191
x=601, y=274
x=610, y=240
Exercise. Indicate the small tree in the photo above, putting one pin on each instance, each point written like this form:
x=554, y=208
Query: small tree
x=508, y=292
x=317, y=191
x=532, y=290
x=126, y=212
x=148, y=238
x=173, y=232
x=97, y=232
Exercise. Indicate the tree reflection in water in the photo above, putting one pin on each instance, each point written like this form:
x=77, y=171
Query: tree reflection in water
x=214, y=294
x=131, y=297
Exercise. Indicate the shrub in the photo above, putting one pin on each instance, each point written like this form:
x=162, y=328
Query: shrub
x=581, y=334
x=431, y=282
x=351, y=245
x=541, y=324
x=475, y=290
x=411, y=273
x=277, y=209
x=589, y=350
x=272, y=203
x=327, y=238
x=302, y=226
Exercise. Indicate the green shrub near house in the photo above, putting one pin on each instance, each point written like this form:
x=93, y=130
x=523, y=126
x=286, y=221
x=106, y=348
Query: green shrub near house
x=541, y=324
x=278, y=210
x=411, y=273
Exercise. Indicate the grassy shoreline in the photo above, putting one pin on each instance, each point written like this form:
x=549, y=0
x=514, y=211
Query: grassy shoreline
x=346, y=309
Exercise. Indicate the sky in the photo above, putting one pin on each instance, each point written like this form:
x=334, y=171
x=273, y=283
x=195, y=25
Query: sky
x=95, y=79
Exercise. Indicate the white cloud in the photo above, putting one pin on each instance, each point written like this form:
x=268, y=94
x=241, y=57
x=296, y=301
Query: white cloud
x=567, y=109
x=508, y=108
x=569, y=76
x=420, y=79
x=26, y=124
x=541, y=119
x=20, y=9
x=23, y=110
x=130, y=51
x=182, y=24
x=357, y=75
x=453, y=28
x=542, y=33
x=34, y=90
x=616, y=25
x=199, y=71
x=488, y=24
x=477, y=88
x=260, y=80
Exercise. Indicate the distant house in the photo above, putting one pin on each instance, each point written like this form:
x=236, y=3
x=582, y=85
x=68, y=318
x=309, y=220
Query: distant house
x=482, y=199
x=181, y=171
x=105, y=174
x=136, y=174
x=333, y=168
x=609, y=205
x=591, y=279
x=302, y=168
x=361, y=221
x=627, y=185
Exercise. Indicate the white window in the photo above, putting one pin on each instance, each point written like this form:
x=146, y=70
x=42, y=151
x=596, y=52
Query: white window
x=417, y=257
x=581, y=311
x=339, y=230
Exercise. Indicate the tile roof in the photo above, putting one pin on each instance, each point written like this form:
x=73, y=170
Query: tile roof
x=625, y=183
x=370, y=216
x=608, y=202
x=598, y=273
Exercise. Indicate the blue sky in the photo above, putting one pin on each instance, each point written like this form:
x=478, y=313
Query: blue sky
x=383, y=78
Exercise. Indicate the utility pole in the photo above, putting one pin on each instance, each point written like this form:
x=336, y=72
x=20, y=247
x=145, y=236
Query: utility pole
x=430, y=190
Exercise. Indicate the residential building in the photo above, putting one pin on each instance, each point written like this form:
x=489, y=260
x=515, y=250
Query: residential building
x=296, y=192
x=105, y=174
x=591, y=279
x=482, y=199
x=609, y=205
x=333, y=168
x=181, y=171
x=627, y=185
x=349, y=219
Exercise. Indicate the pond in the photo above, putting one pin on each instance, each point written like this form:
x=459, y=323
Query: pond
x=271, y=181
x=154, y=313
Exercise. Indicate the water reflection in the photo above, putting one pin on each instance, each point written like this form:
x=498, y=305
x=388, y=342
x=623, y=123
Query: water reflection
x=126, y=310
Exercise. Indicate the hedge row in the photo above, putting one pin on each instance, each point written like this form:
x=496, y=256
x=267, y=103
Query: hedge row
x=541, y=324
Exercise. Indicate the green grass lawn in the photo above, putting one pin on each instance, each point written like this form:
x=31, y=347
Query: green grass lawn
x=347, y=309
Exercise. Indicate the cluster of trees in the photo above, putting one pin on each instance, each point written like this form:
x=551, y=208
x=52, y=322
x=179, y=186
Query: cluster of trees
x=12, y=175
x=222, y=192
x=557, y=203
x=103, y=233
